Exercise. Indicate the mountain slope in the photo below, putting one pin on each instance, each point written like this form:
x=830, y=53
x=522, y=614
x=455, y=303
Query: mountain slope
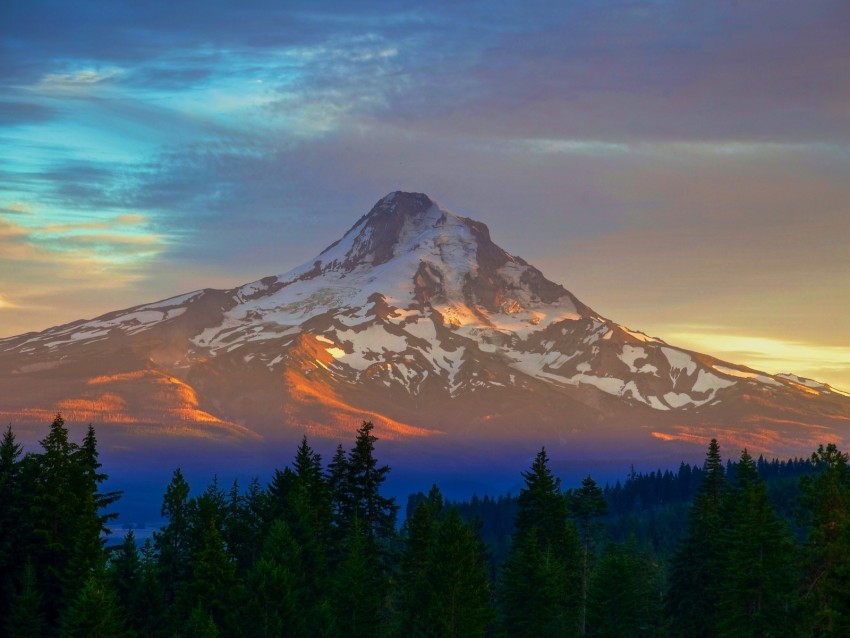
x=414, y=319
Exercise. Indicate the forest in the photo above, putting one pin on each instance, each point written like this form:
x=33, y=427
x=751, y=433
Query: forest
x=747, y=547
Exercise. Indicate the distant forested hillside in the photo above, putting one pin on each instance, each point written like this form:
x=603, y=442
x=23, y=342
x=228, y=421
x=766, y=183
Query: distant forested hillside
x=748, y=547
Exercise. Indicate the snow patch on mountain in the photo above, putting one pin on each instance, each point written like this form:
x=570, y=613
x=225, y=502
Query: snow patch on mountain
x=741, y=374
x=416, y=296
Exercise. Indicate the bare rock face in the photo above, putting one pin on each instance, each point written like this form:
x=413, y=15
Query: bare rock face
x=416, y=320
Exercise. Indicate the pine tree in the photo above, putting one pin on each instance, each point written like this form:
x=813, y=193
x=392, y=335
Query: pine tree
x=242, y=524
x=13, y=527
x=586, y=505
x=826, y=499
x=173, y=542
x=696, y=573
x=88, y=553
x=25, y=619
x=213, y=582
x=278, y=603
x=757, y=588
x=539, y=579
x=132, y=576
x=533, y=595
x=94, y=613
x=336, y=476
x=459, y=578
x=415, y=587
x=375, y=513
x=443, y=588
x=301, y=499
x=148, y=614
x=200, y=625
x=624, y=600
x=358, y=588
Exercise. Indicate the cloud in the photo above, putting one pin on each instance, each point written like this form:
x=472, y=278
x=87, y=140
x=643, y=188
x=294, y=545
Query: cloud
x=659, y=159
x=77, y=80
x=53, y=264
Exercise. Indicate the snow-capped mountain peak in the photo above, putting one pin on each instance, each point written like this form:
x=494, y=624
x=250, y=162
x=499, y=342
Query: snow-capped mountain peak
x=415, y=316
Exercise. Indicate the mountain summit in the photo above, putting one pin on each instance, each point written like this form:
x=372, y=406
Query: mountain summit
x=416, y=320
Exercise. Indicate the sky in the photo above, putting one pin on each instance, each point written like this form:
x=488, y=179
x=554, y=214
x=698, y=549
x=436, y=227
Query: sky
x=683, y=167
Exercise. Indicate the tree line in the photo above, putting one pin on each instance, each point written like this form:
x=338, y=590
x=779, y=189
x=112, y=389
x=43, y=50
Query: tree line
x=317, y=552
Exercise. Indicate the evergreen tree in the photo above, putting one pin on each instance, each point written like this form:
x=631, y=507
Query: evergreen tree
x=586, y=505
x=55, y=509
x=444, y=589
x=277, y=599
x=696, y=573
x=244, y=523
x=376, y=514
x=361, y=510
x=124, y=570
x=300, y=498
x=24, y=618
x=534, y=596
x=94, y=613
x=173, y=542
x=200, y=625
x=213, y=583
x=66, y=545
x=757, y=588
x=826, y=499
x=337, y=476
x=415, y=587
x=88, y=553
x=148, y=611
x=12, y=524
x=461, y=588
x=624, y=600
x=358, y=588
x=539, y=579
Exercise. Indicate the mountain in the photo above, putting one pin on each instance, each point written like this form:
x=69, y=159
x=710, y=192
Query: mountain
x=416, y=320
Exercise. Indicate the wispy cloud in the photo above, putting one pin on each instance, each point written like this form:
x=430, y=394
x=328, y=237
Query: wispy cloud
x=77, y=80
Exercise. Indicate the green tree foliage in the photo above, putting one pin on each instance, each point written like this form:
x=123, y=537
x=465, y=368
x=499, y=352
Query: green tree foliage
x=624, y=598
x=277, y=597
x=444, y=589
x=200, y=625
x=54, y=513
x=539, y=582
x=360, y=495
x=12, y=524
x=826, y=499
x=317, y=553
x=90, y=523
x=242, y=523
x=132, y=574
x=697, y=566
x=364, y=528
x=94, y=613
x=300, y=498
x=24, y=618
x=213, y=582
x=358, y=588
x=460, y=581
x=587, y=505
x=55, y=498
x=757, y=590
x=173, y=542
